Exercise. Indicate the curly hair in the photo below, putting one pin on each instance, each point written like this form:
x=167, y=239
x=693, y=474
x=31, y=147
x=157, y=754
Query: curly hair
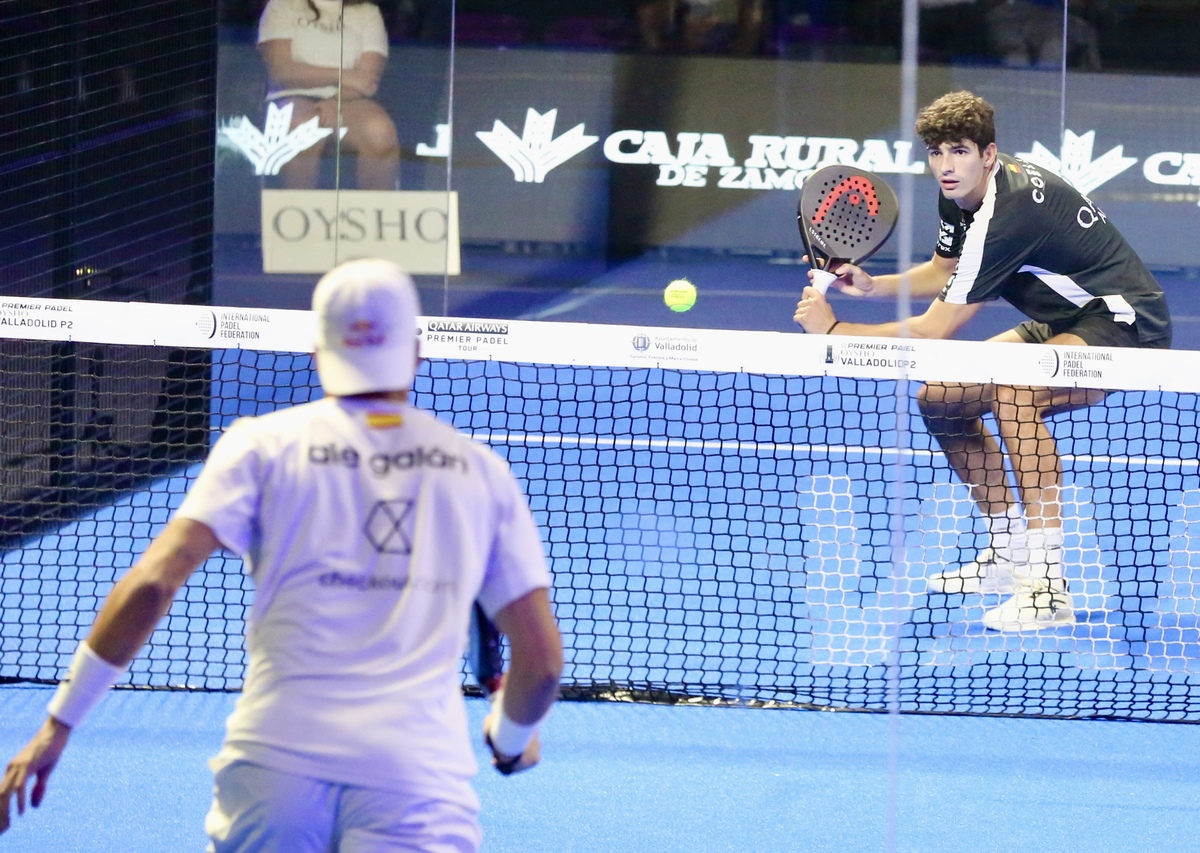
x=957, y=116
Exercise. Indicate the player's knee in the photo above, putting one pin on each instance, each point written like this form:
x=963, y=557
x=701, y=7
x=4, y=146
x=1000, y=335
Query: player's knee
x=941, y=417
x=1016, y=405
x=941, y=426
x=945, y=427
x=927, y=399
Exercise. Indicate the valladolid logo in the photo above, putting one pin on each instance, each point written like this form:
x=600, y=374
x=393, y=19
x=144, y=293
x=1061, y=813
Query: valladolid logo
x=1076, y=165
x=537, y=151
x=270, y=148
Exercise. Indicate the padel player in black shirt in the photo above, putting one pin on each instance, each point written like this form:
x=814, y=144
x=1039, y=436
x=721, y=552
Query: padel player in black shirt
x=1039, y=244
x=1009, y=230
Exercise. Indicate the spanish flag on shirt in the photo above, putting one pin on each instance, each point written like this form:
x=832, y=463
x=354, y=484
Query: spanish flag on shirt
x=384, y=420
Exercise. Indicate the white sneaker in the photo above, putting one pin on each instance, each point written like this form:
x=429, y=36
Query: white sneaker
x=989, y=574
x=1041, y=604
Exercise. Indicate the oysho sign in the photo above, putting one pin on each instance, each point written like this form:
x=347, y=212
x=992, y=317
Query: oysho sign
x=312, y=231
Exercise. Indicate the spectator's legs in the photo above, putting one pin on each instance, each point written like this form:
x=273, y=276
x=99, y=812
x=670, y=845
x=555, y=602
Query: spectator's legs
x=302, y=171
x=371, y=135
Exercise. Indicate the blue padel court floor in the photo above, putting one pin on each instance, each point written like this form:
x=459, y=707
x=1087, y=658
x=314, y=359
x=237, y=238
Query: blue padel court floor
x=619, y=777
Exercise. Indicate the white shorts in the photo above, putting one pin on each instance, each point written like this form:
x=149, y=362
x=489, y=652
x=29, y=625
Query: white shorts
x=257, y=810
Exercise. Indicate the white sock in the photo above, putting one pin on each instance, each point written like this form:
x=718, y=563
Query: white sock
x=1045, y=552
x=1046, y=538
x=1010, y=539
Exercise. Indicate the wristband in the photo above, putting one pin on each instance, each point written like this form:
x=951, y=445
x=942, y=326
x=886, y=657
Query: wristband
x=505, y=736
x=829, y=331
x=87, y=681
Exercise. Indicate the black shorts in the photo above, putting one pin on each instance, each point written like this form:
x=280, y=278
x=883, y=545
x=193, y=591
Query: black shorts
x=1096, y=331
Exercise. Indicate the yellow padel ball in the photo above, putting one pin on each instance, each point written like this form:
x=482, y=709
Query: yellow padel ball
x=679, y=295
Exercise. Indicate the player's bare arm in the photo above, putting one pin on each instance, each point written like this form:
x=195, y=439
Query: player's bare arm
x=531, y=683
x=132, y=609
x=940, y=321
x=926, y=280
x=142, y=597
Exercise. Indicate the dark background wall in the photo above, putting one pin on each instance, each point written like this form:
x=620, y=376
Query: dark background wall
x=106, y=116
x=106, y=176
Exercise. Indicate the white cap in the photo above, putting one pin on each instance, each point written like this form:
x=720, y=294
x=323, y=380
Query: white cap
x=366, y=328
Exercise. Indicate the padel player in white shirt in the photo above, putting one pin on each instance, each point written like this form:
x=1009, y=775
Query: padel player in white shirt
x=1009, y=230
x=369, y=528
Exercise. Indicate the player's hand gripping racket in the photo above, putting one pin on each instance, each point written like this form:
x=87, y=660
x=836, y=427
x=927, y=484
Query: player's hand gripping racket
x=486, y=659
x=845, y=215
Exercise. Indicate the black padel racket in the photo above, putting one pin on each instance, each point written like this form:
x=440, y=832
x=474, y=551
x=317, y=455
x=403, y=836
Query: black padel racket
x=485, y=653
x=845, y=215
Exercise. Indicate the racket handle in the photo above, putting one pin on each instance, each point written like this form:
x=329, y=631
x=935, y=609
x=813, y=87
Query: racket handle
x=485, y=654
x=821, y=280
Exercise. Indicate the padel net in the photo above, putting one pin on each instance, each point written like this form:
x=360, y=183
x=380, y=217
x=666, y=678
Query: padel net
x=732, y=517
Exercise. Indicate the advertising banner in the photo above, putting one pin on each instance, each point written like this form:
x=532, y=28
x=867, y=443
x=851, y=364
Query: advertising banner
x=311, y=231
x=623, y=153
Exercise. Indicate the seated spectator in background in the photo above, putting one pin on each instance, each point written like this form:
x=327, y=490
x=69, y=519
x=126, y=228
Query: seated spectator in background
x=656, y=24
x=703, y=26
x=1030, y=33
x=303, y=43
x=723, y=26
x=953, y=31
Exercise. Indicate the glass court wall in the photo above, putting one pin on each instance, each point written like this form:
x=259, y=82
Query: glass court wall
x=594, y=152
